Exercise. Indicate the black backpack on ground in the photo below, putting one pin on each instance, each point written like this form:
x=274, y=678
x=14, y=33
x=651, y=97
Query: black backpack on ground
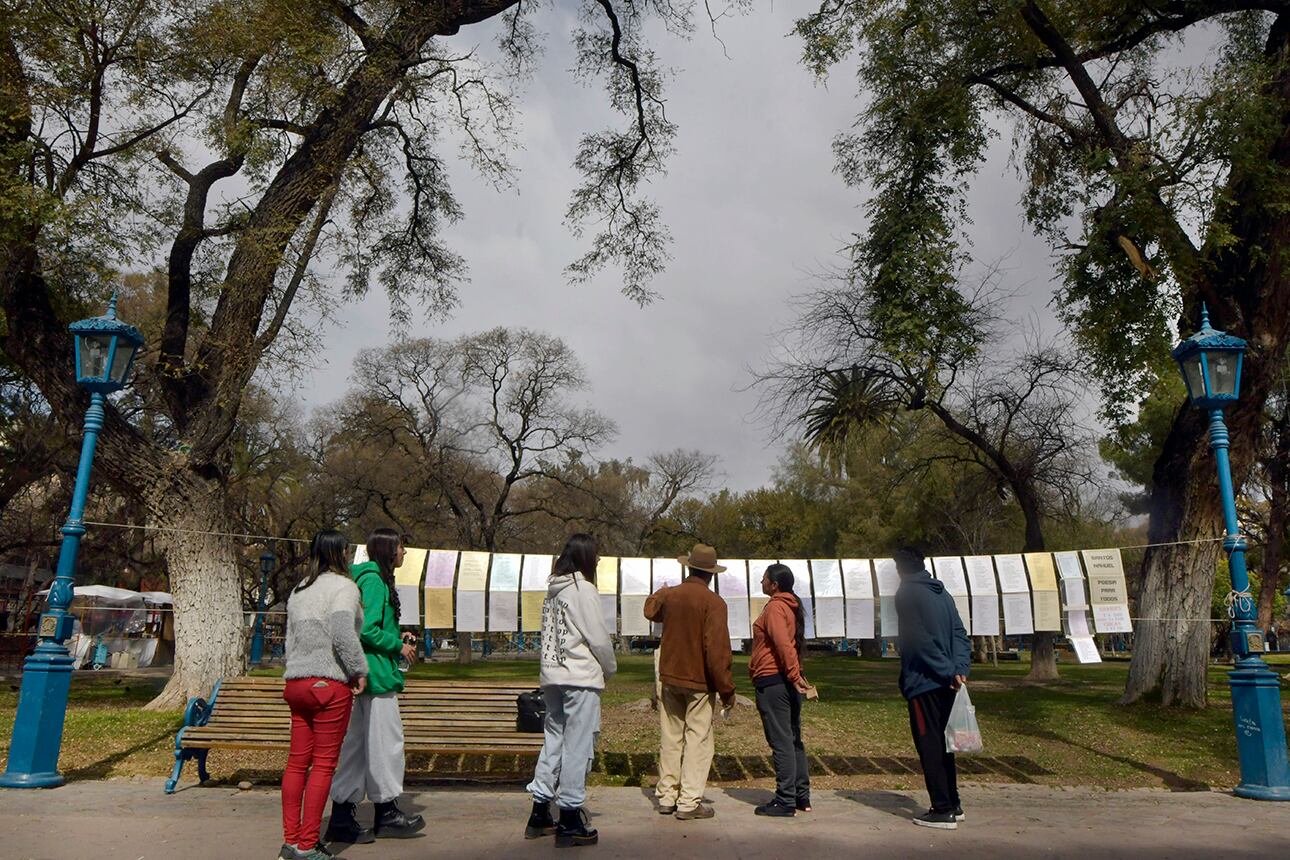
x=531, y=712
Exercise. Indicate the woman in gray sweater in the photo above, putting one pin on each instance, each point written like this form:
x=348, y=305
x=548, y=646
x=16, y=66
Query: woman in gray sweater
x=326, y=668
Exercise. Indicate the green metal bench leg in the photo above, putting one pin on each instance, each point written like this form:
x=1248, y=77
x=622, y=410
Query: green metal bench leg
x=196, y=714
x=202, y=774
x=174, y=774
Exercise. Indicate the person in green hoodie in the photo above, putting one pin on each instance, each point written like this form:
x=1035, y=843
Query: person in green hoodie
x=371, y=759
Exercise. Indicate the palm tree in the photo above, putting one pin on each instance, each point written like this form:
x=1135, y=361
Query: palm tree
x=843, y=402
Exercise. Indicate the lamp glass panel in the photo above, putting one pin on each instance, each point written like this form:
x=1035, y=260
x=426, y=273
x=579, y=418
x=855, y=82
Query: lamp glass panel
x=1222, y=373
x=1194, y=376
x=121, y=361
x=94, y=355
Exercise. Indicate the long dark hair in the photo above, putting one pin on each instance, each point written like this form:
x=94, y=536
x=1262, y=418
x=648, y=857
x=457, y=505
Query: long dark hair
x=782, y=576
x=383, y=548
x=328, y=553
x=578, y=556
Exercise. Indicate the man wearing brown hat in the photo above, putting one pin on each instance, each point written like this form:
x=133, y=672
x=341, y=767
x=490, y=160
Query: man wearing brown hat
x=693, y=668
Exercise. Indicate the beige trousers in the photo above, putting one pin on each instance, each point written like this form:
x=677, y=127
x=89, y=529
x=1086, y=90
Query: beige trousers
x=685, y=752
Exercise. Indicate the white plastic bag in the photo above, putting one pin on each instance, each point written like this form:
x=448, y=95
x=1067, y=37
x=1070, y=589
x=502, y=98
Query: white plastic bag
x=962, y=734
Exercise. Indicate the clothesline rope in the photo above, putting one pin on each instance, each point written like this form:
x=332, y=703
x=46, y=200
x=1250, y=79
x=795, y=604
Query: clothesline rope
x=274, y=612
x=303, y=541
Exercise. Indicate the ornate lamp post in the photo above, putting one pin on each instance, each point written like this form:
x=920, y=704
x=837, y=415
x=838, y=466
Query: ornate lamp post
x=267, y=562
x=1211, y=367
x=105, y=350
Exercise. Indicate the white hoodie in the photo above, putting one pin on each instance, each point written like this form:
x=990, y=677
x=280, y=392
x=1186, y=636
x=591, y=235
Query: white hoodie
x=576, y=648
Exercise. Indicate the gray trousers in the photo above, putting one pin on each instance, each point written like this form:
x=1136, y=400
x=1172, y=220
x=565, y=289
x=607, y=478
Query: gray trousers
x=568, y=746
x=780, y=706
x=371, y=759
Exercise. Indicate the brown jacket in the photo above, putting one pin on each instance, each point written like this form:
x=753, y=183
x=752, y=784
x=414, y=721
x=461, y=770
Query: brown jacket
x=695, y=651
x=774, y=650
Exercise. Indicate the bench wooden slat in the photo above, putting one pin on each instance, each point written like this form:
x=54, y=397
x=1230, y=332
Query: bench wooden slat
x=439, y=717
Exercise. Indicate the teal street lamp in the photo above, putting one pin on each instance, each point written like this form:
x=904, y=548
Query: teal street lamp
x=105, y=350
x=267, y=561
x=1211, y=367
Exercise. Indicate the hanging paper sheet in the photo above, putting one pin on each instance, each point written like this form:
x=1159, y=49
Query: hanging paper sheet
x=607, y=586
x=534, y=577
x=1068, y=566
x=857, y=580
x=1085, y=649
x=733, y=588
x=504, y=593
x=1081, y=638
x=634, y=585
x=668, y=573
x=1107, y=591
x=441, y=570
x=1018, y=615
x=888, y=579
x=407, y=582
x=472, y=583
x=1043, y=584
x=830, y=606
x=949, y=570
x=802, y=587
x=985, y=595
x=756, y=600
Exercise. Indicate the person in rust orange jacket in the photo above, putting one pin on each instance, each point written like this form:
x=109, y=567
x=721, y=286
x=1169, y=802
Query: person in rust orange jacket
x=776, y=669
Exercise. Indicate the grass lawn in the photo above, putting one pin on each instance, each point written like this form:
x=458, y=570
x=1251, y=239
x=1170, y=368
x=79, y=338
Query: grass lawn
x=1068, y=733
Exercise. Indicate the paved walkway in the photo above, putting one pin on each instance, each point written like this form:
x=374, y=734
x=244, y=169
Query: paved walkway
x=132, y=819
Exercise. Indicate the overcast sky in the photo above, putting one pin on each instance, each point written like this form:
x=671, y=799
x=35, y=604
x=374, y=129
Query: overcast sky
x=754, y=209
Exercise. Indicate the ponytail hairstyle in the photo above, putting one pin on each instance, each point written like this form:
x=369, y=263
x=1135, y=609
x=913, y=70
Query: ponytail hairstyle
x=328, y=553
x=383, y=548
x=782, y=576
x=578, y=556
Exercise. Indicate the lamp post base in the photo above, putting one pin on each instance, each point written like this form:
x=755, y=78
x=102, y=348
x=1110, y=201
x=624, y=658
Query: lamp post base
x=38, y=726
x=1262, y=792
x=1260, y=731
x=31, y=780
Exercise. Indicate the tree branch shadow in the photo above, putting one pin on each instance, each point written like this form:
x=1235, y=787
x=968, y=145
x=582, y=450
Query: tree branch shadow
x=101, y=768
x=1172, y=781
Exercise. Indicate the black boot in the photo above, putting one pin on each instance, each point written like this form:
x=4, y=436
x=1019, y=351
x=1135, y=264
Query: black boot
x=540, y=821
x=573, y=829
x=393, y=823
x=344, y=827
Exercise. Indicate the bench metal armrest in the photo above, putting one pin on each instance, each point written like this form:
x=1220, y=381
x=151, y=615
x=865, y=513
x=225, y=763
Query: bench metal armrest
x=197, y=713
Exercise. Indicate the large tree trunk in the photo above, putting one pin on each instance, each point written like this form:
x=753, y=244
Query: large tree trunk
x=464, y=655
x=1172, y=636
x=1278, y=509
x=1043, y=658
x=205, y=581
x=1243, y=280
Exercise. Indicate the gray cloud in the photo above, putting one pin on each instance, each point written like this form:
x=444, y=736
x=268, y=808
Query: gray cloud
x=754, y=207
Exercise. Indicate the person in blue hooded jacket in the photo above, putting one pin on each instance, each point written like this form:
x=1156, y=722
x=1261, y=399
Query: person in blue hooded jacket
x=934, y=656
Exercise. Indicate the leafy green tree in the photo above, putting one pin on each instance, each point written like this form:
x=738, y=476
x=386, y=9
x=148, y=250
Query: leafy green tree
x=251, y=145
x=1014, y=419
x=1163, y=187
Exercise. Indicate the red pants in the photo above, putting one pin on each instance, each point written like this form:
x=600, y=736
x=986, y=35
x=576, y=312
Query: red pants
x=319, y=717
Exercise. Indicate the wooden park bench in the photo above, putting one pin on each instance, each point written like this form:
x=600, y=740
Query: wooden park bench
x=439, y=717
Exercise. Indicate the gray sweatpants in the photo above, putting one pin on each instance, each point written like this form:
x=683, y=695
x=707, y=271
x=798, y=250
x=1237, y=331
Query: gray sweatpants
x=371, y=759
x=780, y=706
x=568, y=746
